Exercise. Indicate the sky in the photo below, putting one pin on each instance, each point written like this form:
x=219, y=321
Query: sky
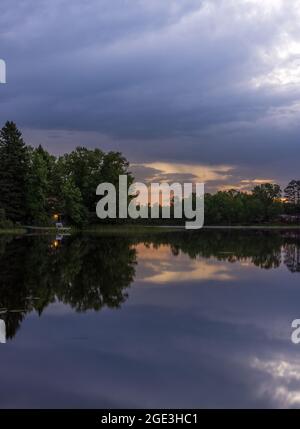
x=202, y=90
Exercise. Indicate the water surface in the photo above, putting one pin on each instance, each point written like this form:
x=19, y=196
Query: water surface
x=188, y=319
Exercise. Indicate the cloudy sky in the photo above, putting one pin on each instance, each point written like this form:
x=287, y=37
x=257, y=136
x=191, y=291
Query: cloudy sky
x=193, y=89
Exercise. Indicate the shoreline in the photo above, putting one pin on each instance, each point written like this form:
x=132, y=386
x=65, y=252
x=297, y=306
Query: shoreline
x=139, y=229
x=13, y=231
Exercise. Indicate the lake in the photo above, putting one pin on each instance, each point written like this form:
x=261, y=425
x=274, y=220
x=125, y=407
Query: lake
x=182, y=319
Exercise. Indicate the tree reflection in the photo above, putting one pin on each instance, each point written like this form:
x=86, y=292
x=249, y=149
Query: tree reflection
x=89, y=273
x=266, y=250
x=86, y=273
x=292, y=257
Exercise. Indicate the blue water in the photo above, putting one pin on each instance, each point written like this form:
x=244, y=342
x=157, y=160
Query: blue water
x=173, y=320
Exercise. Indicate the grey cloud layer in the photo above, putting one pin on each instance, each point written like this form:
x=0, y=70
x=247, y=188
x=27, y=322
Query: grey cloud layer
x=209, y=81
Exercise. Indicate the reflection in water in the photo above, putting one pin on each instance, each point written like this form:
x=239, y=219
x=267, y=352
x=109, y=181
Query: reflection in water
x=292, y=257
x=206, y=249
x=206, y=344
x=161, y=269
x=84, y=273
x=260, y=248
x=92, y=272
x=285, y=377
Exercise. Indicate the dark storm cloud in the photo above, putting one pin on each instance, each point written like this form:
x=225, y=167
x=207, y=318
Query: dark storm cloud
x=214, y=82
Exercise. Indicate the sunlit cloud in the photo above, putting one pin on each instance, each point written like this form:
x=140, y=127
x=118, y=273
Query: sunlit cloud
x=245, y=185
x=175, y=171
x=257, y=181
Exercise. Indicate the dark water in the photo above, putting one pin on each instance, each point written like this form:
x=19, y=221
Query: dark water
x=198, y=319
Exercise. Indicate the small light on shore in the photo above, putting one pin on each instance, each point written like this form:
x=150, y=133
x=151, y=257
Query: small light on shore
x=55, y=244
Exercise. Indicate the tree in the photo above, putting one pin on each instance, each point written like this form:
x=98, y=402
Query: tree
x=37, y=189
x=292, y=192
x=268, y=194
x=114, y=165
x=84, y=167
x=4, y=222
x=88, y=168
x=14, y=166
x=71, y=202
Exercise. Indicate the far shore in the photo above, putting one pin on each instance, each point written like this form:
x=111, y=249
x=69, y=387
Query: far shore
x=13, y=231
x=139, y=229
x=150, y=229
x=252, y=227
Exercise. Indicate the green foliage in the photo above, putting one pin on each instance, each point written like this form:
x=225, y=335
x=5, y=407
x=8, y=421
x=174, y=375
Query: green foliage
x=234, y=207
x=37, y=189
x=83, y=272
x=14, y=166
x=4, y=222
x=84, y=168
x=72, y=203
x=35, y=185
x=87, y=168
x=268, y=196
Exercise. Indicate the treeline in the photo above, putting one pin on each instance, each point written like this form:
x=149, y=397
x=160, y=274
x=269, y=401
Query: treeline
x=265, y=204
x=37, y=186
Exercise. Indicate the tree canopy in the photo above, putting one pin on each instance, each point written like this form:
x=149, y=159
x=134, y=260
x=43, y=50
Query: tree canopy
x=35, y=185
x=14, y=169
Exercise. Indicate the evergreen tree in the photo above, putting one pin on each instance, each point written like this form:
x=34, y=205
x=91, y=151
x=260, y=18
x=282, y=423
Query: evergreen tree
x=14, y=163
x=292, y=192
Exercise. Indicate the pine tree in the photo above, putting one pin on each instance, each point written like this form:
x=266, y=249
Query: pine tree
x=292, y=192
x=13, y=172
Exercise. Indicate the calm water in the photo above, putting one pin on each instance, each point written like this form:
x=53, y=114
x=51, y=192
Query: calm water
x=198, y=319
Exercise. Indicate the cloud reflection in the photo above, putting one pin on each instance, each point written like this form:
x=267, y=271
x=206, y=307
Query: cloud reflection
x=156, y=265
x=284, y=387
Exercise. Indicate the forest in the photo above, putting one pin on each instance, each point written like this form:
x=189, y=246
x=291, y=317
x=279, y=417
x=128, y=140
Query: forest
x=38, y=188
